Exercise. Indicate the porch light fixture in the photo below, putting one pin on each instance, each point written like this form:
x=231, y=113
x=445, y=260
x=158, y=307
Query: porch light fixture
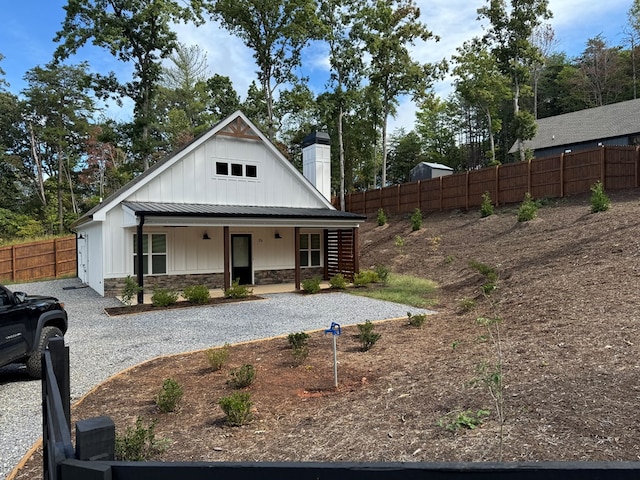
x=277, y=235
x=206, y=236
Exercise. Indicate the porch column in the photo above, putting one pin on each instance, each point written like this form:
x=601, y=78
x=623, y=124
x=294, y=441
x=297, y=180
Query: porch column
x=356, y=250
x=325, y=243
x=296, y=234
x=140, y=260
x=227, y=258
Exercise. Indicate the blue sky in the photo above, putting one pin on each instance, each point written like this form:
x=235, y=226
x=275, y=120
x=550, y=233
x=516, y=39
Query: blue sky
x=29, y=27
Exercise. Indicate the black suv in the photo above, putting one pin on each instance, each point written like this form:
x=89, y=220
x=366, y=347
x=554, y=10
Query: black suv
x=27, y=322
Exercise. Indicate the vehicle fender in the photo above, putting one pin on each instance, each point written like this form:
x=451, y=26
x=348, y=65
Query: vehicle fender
x=56, y=318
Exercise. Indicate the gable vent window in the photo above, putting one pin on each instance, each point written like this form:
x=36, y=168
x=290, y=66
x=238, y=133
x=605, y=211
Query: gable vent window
x=236, y=169
x=222, y=168
x=251, y=171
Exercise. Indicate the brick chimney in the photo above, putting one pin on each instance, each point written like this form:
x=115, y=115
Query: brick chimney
x=316, y=161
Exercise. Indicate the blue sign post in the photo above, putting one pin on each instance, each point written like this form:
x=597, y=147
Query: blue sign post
x=334, y=330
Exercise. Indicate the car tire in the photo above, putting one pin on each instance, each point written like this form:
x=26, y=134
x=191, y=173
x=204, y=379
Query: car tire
x=34, y=363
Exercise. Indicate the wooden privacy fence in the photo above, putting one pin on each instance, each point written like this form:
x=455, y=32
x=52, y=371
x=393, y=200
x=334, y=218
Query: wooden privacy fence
x=38, y=260
x=568, y=174
x=92, y=457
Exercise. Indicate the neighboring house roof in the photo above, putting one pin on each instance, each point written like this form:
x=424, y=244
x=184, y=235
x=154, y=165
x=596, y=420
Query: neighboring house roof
x=615, y=120
x=219, y=211
x=438, y=166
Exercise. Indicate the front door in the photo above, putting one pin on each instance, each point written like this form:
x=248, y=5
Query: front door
x=241, y=268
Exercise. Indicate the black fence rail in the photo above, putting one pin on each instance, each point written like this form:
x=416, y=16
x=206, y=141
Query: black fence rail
x=92, y=458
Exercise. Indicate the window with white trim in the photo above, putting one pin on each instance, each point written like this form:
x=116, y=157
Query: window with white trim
x=154, y=260
x=310, y=251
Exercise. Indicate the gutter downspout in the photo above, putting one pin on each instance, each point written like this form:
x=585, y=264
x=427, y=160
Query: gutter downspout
x=140, y=259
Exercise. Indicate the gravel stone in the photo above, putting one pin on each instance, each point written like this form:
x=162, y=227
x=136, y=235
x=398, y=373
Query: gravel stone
x=101, y=346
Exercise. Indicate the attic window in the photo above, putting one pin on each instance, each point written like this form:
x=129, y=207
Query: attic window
x=222, y=168
x=251, y=171
x=236, y=169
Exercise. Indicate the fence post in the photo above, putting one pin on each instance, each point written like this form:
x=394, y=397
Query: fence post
x=95, y=439
x=637, y=165
x=440, y=193
x=497, y=197
x=398, y=198
x=60, y=361
x=603, y=170
x=419, y=195
x=529, y=176
x=466, y=206
x=562, y=175
x=13, y=263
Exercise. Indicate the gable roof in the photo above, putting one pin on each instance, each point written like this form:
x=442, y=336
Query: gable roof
x=236, y=125
x=437, y=166
x=599, y=123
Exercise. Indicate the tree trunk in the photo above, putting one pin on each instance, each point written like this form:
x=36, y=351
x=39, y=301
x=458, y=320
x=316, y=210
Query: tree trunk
x=384, y=149
x=36, y=160
x=341, y=152
x=59, y=192
x=516, y=110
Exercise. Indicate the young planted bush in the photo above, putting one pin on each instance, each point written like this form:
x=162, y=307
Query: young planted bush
x=311, y=285
x=169, y=396
x=490, y=275
x=237, y=291
x=338, y=282
x=365, y=278
x=163, y=297
x=236, y=408
x=454, y=421
x=242, y=377
x=382, y=217
x=486, y=208
x=139, y=443
x=383, y=273
x=198, y=294
x=416, y=320
x=398, y=241
x=528, y=209
x=299, y=347
x=416, y=220
x=217, y=357
x=367, y=336
x=130, y=290
x=600, y=202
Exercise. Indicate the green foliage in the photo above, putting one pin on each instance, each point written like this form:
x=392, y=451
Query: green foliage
x=486, y=209
x=242, y=377
x=382, y=272
x=468, y=419
x=169, y=396
x=403, y=289
x=364, y=278
x=367, y=336
x=197, y=294
x=300, y=349
x=130, y=290
x=237, y=408
x=338, y=282
x=398, y=241
x=416, y=320
x=139, y=443
x=163, y=297
x=449, y=259
x=217, y=357
x=600, y=202
x=237, y=291
x=416, y=220
x=382, y=217
x=528, y=209
x=311, y=285
x=467, y=305
x=490, y=275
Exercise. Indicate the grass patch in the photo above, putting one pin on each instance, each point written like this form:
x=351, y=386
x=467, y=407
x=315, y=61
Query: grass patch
x=404, y=289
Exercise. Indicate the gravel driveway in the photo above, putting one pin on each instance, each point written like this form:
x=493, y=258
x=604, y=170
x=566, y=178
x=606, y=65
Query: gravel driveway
x=101, y=346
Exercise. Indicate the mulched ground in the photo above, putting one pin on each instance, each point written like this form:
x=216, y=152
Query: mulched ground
x=568, y=299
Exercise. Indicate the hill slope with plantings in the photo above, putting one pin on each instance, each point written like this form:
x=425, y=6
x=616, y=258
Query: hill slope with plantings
x=533, y=355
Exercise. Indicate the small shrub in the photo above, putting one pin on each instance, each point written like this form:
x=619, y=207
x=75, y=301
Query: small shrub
x=398, y=241
x=449, y=259
x=367, y=336
x=416, y=320
x=416, y=220
x=454, y=421
x=528, y=209
x=236, y=408
x=300, y=349
x=364, y=278
x=311, y=285
x=217, y=357
x=237, y=291
x=198, y=294
x=130, y=290
x=163, y=297
x=383, y=273
x=242, y=377
x=382, y=217
x=490, y=274
x=169, y=396
x=467, y=305
x=338, y=282
x=139, y=443
x=599, y=200
x=486, y=208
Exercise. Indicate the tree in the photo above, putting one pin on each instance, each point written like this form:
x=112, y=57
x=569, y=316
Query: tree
x=136, y=31
x=599, y=65
x=633, y=34
x=509, y=38
x=544, y=39
x=276, y=31
x=406, y=152
x=435, y=126
x=388, y=28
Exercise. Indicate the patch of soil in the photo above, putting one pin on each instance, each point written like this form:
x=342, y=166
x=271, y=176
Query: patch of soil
x=568, y=299
x=147, y=307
